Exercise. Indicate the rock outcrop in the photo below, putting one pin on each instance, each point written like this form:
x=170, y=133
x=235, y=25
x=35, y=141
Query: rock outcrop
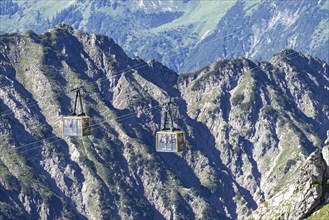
x=309, y=192
x=309, y=187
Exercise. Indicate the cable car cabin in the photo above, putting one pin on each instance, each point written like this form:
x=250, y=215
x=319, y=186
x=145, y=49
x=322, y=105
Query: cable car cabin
x=170, y=141
x=76, y=126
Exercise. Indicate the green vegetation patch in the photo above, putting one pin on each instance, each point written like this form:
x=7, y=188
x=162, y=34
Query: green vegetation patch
x=321, y=214
x=244, y=94
x=286, y=163
x=197, y=15
x=9, y=212
x=325, y=5
x=7, y=179
x=321, y=32
x=251, y=6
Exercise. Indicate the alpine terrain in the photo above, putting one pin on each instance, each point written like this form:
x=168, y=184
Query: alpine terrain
x=185, y=35
x=255, y=131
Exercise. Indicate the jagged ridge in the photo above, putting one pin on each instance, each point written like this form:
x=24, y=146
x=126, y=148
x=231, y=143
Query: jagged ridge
x=250, y=125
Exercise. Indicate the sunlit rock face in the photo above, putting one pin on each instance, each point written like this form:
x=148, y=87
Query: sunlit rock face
x=252, y=132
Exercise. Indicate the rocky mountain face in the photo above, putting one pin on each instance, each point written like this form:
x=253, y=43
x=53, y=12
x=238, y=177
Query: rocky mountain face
x=185, y=35
x=308, y=193
x=307, y=197
x=252, y=130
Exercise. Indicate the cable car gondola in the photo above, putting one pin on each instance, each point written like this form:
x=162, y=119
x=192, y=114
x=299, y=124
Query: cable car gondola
x=77, y=125
x=169, y=139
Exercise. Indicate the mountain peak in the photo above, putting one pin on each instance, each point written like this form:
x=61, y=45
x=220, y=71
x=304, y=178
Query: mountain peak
x=250, y=127
x=64, y=26
x=185, y=35
x=287, y=54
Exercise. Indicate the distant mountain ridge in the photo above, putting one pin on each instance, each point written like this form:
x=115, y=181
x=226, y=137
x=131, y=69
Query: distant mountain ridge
x=185, y=35
x=250, y=128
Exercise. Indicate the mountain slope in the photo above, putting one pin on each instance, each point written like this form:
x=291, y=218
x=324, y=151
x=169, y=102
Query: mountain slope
x=259, y=29
x=180, y=33
x=249, y=126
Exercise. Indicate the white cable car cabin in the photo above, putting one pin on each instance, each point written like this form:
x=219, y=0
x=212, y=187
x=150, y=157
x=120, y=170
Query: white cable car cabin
x=77, y=125
x=169, y=139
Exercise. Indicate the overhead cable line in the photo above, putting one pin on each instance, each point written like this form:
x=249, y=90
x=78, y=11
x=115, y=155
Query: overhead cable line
x=138, y=66
x=100, y=123
x=123, y=116
x=119, y=73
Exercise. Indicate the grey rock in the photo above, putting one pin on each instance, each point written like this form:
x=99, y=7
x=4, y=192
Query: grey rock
x=250, y=129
